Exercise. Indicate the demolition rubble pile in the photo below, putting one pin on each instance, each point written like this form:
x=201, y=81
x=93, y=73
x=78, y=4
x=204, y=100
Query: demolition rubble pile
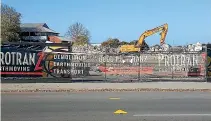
x=166, y=47
x=189, y=48
x=94, y=49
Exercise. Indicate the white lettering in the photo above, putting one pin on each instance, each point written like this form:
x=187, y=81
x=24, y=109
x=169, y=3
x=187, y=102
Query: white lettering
x=18, y=59
x=195, y=60
x=54, y=56
x=166, y=60
x=25, y=60
x=180, y=62
x=7, y=58
x=2, y=58
x=13, y=58
x=32, y=59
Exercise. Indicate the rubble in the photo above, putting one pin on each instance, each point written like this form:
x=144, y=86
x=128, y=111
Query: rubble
x=155, y=48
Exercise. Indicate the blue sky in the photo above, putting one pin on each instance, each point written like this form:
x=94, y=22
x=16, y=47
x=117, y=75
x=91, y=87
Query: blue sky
x=189, y=20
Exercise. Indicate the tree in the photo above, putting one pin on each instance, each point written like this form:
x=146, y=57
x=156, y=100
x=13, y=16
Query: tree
x=133, y=42
x=78, y=33
x=81, y=40
x=124, y=43
x=10, y=23
x=111, y=43
x=114, y=42
x=105, y=44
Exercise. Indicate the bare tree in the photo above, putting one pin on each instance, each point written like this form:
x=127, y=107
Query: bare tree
x=78, y=33
x=10, y=23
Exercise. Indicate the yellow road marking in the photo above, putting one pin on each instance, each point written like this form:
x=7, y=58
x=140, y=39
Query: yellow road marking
x=114, y=98
x=120, y=112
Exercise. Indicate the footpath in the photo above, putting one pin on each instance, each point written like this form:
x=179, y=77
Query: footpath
x=75, y=87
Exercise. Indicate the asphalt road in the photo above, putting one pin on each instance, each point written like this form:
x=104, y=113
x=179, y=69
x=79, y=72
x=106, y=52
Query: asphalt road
x=96, y=106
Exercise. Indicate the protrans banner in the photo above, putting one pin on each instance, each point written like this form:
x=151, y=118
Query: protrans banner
x=20, y=63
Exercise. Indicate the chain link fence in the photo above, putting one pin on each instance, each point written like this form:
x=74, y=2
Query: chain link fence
x=65, y=63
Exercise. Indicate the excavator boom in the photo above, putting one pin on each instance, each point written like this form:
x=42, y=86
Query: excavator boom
x=141, y=43
x=163, y=28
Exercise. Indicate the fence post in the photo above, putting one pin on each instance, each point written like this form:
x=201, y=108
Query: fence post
x=139, y=76
x=105, y=71
x=206, y=64
x=104, y=55
x=172, y=68
x=70, y=61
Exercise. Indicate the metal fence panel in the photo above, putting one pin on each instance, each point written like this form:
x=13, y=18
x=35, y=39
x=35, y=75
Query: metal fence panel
x=101, y=64
x=172, y=65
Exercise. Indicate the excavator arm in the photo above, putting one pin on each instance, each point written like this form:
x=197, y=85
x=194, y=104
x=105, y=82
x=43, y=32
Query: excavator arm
x=163, y=28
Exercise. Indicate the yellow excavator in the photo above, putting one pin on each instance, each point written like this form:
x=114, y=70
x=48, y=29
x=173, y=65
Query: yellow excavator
x=139, y=45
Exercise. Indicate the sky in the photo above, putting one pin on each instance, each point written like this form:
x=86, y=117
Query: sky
x=189, y=21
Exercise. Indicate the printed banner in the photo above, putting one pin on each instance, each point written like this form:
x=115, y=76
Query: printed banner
x=20, y=63
x=125, y=67
x=59, y=63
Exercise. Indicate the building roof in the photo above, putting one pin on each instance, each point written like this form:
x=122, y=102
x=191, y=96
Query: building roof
x=64, y=39
x=59, y=39
x=29, y=25
x=36, y=27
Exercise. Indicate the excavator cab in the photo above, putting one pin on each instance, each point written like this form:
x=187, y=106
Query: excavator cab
x=143, y=47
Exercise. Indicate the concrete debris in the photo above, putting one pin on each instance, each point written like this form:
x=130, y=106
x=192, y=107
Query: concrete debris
x=165, y=47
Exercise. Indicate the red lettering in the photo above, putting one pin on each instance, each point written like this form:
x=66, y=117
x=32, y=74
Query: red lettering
x=38, y=66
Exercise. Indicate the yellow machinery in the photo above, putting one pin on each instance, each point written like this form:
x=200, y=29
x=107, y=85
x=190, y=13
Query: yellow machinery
x=140, y=43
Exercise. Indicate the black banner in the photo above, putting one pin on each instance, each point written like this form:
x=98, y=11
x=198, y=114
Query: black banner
x=20, y=62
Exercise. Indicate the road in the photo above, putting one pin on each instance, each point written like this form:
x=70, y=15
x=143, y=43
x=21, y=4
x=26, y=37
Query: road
x=100, y=106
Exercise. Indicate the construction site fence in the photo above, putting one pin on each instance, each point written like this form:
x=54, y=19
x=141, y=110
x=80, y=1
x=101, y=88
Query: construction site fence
x=57, y=62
